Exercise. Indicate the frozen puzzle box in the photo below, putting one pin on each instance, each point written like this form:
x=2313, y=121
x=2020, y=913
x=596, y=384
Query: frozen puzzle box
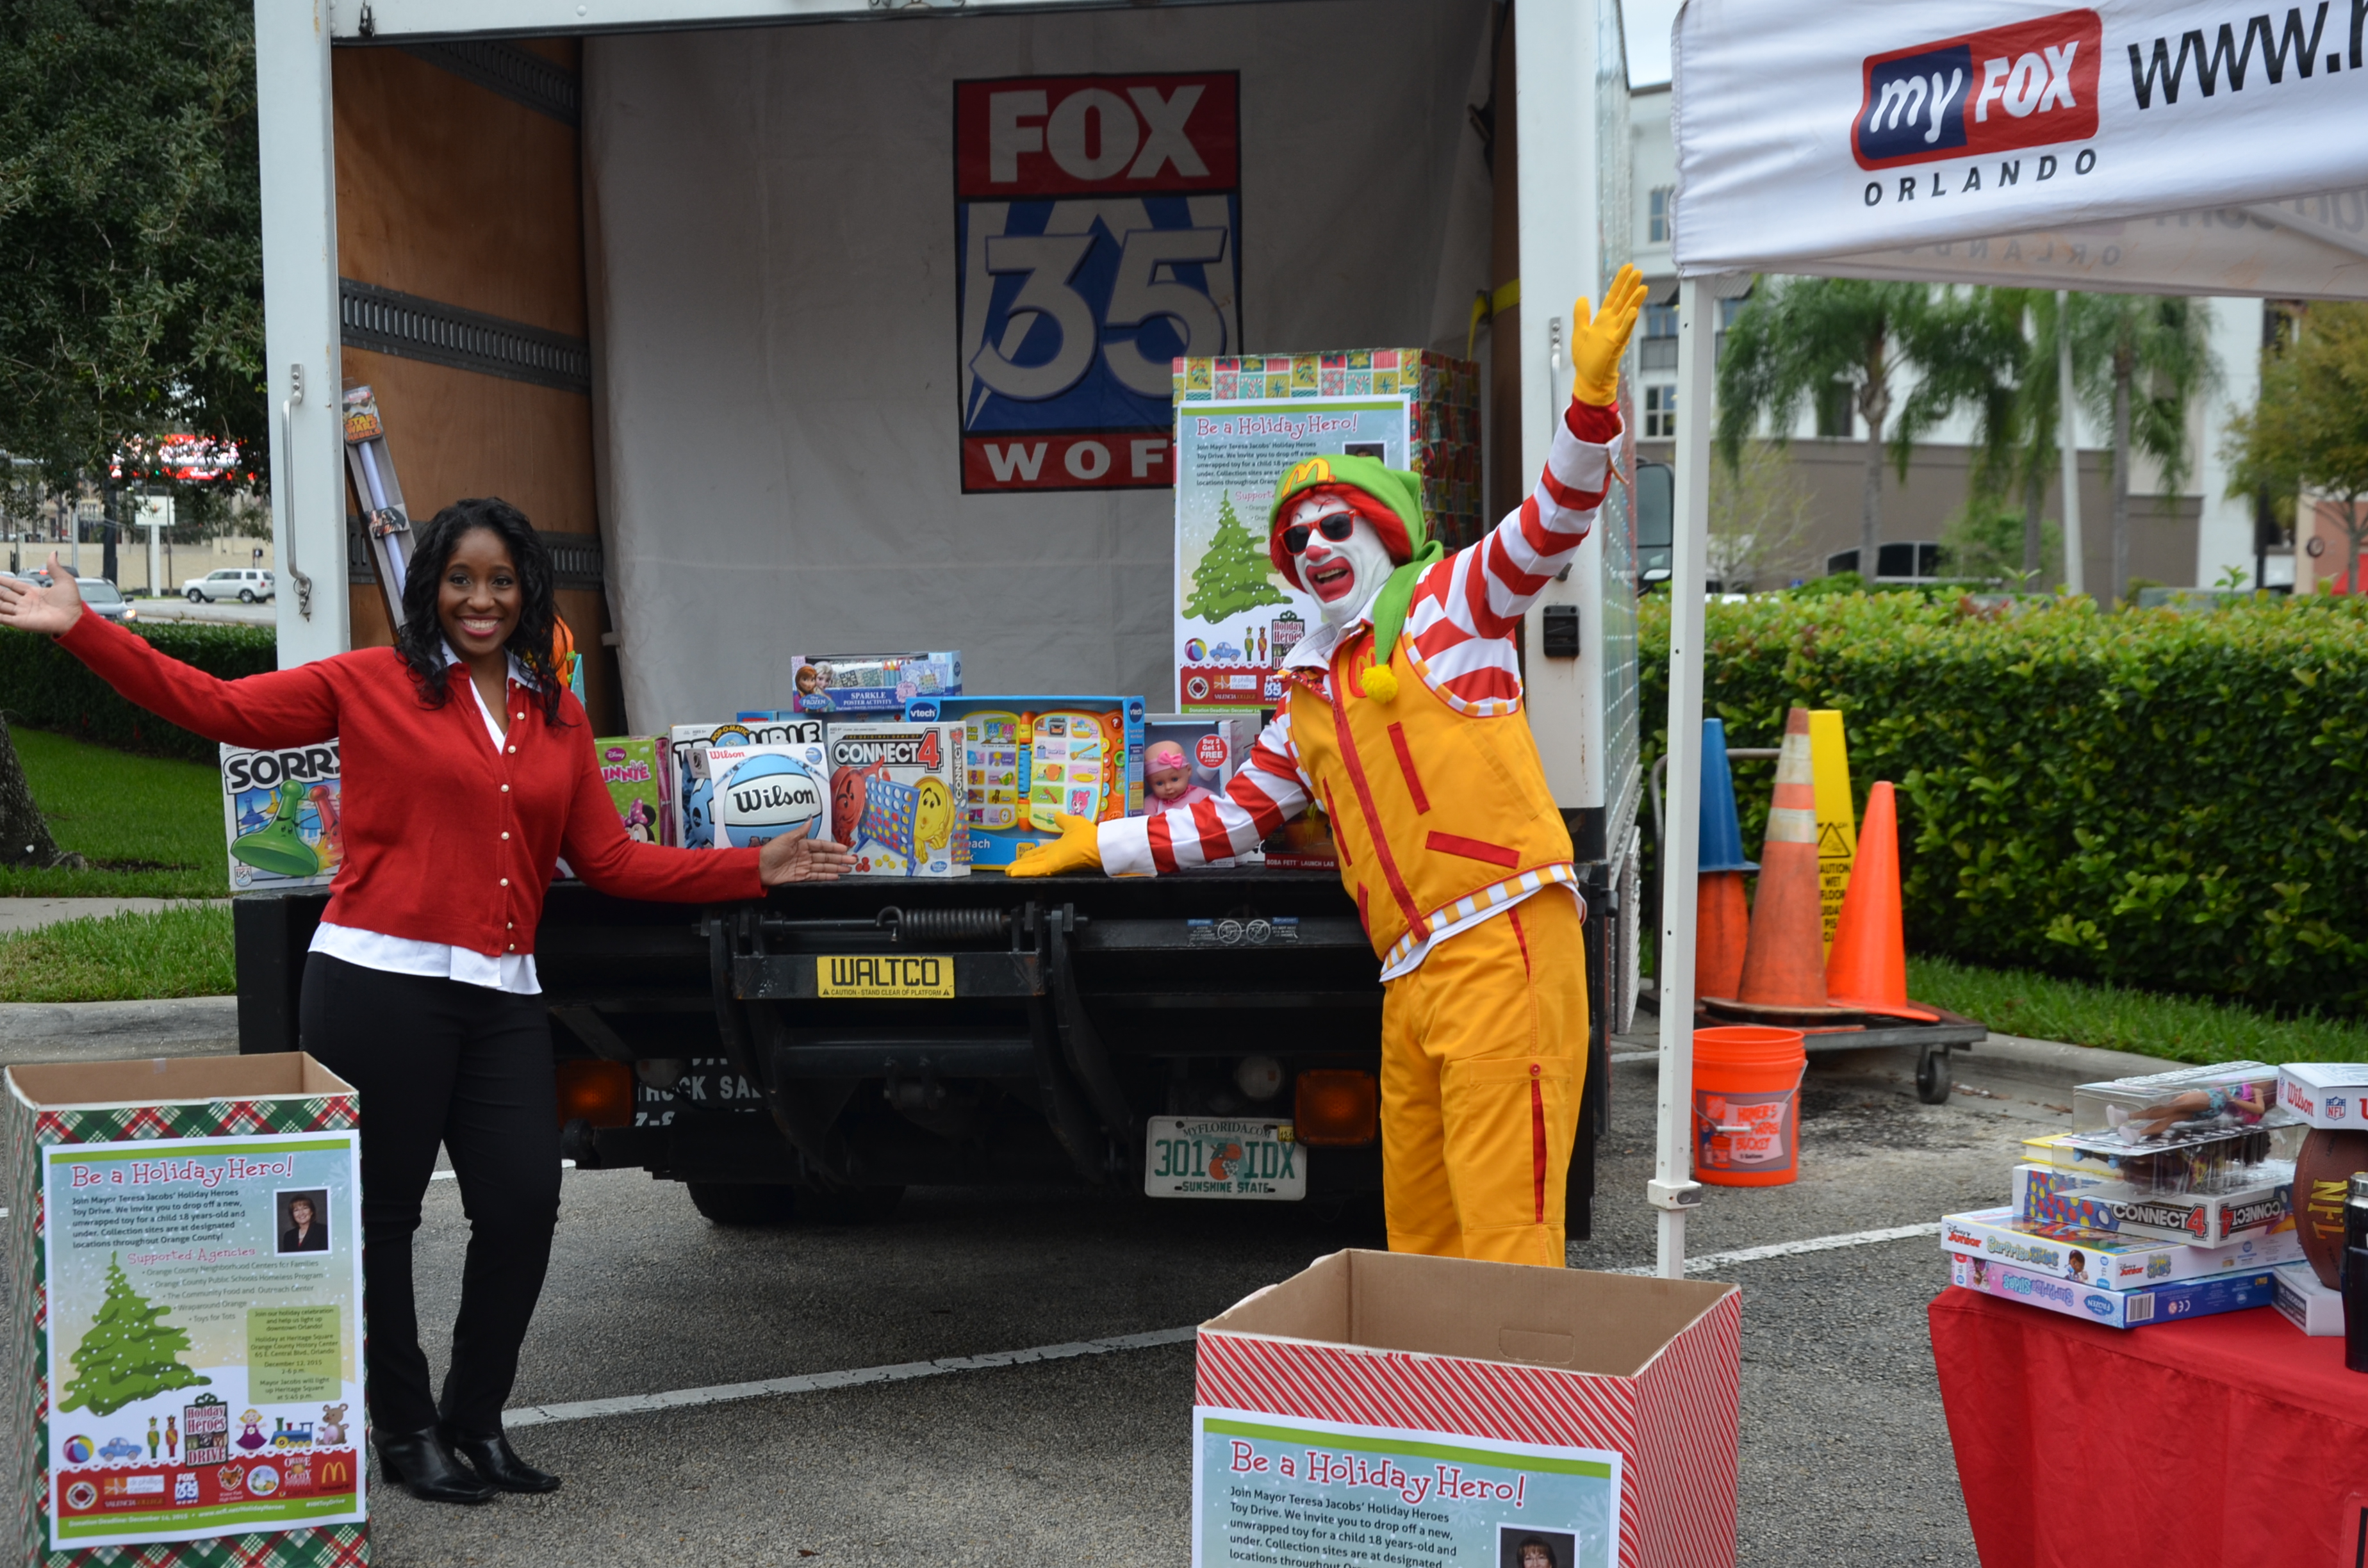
x=1035, y=759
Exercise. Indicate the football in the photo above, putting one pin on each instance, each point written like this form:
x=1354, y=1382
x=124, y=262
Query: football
x=2322, y=1179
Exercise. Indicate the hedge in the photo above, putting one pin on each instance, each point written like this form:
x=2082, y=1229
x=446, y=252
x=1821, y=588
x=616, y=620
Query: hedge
x=45, y=686
x=2161, y=800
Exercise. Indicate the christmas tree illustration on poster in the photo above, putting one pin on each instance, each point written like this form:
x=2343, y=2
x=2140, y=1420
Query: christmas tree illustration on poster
x=127, y=1353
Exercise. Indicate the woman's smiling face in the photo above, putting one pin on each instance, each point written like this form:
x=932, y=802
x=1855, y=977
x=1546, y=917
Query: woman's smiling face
x=479, y=599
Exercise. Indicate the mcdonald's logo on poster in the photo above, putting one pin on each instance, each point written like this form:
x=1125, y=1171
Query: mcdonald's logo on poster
x=1098, y=227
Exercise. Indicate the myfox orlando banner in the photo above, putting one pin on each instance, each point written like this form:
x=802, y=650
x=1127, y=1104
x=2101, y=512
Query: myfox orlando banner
x=1808, y=128
x=1097, y=220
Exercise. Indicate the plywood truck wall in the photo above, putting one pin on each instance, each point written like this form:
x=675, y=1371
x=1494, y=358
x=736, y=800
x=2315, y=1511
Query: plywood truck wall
x=461, y=255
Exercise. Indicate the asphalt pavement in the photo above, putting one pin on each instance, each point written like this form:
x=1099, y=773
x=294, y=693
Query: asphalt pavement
x=1845, y=1454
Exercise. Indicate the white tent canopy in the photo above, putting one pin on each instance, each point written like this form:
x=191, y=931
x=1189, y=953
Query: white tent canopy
x=2135, y=147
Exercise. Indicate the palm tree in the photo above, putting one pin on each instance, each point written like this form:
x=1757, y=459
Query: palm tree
x=1976, y=352
x=2139, y=360
x=1805, y=335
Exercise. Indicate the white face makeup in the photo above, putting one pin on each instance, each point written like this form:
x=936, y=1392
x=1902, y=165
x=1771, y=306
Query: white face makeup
x=1343, y=576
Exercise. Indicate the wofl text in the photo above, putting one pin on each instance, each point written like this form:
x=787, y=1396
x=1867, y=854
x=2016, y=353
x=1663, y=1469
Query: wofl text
x=2031, y=84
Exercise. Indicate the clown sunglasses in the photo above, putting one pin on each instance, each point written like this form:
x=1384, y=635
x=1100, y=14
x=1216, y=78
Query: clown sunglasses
x=1337, y=527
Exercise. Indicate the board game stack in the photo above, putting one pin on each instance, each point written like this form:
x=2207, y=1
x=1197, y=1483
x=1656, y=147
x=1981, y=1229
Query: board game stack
x=280, y=815
x=2172, y=1198
x=870, y=685
x=1032, y=760
x=898, y=794
x=693, y=792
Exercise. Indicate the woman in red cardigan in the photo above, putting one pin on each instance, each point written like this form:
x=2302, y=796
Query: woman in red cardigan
x=458, y=797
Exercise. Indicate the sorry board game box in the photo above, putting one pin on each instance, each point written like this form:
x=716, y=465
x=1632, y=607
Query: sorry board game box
x=629, y=766
x=896, y=796
x=763, y=792
x=872, y=684
x=280, y=811
x=693, y=792
x=1035, y=759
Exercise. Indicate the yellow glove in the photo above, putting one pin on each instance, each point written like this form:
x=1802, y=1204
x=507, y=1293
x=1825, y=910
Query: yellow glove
x=1596, y=342
x=1078, y=848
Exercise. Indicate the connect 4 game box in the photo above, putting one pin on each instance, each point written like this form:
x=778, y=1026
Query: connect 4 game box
x=1035, y=759
x=694, y=791
x=896, y=798
x=280, y=811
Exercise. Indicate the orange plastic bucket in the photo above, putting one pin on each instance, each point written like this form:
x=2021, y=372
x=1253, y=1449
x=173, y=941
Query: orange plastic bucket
x=1748, y=1106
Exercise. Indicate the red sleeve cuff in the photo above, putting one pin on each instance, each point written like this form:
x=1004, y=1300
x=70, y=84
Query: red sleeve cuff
x=1589, y=423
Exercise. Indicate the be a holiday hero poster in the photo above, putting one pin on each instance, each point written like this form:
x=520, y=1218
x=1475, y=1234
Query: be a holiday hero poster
x=1283, y=1492
x=1097, y=220
x=204, y=1300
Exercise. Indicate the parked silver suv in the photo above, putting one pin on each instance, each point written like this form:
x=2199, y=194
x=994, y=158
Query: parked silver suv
x=244, y=583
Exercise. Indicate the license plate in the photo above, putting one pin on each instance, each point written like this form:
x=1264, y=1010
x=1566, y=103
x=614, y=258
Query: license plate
x=892, y=975
x=1213, y=1157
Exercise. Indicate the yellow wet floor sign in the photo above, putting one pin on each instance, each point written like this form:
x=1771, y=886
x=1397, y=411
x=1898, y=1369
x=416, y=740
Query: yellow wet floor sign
x=1837, y=824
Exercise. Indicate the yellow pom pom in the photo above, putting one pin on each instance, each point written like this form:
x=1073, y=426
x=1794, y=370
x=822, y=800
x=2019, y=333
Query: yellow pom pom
x=1382, y=684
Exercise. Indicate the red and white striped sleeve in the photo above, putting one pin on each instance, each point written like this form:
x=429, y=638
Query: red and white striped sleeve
x=1465, y=619
x=1269, y=789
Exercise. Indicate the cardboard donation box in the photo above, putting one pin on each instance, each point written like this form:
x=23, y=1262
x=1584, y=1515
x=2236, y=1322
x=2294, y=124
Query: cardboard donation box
x=1433, y=1412
x=185, y=1237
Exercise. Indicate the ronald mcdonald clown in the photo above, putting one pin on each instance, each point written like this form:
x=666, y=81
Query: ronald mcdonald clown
x=1402, y=718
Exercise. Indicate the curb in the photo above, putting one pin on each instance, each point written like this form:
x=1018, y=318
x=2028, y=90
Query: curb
x=99, y=1031
x=2013, y=1059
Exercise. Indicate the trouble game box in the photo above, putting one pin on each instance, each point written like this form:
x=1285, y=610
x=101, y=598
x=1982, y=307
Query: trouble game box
x=897, y=793
x=1034, y=759
x=693, y=792
x=280, y=812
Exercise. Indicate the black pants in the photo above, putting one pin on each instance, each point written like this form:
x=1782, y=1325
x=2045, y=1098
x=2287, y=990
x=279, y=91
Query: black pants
x=439, y=1062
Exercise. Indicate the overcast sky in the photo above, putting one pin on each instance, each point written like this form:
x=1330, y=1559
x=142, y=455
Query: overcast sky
x=1646, y=23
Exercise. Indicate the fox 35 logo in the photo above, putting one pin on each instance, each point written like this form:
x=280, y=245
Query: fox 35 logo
x=2031, y=84
x=1097, y=220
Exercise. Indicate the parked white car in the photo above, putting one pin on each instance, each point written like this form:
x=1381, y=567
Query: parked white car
x=244, y=583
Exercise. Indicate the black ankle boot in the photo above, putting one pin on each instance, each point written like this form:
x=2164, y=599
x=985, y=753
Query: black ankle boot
x=421, y=1462
x=498, y=1463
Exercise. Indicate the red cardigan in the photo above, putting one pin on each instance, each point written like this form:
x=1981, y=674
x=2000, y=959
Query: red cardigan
x=445, y=841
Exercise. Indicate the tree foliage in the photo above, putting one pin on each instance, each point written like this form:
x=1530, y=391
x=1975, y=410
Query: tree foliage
x=2309, y=430
x=2138, y=362
x=131, y=245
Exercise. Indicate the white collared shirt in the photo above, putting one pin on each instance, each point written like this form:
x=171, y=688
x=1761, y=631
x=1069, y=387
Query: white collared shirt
x=513, y=972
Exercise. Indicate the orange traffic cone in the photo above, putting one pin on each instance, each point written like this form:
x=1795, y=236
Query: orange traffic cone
x=1722, y=928
x=1869, y=968
x=1784, y=962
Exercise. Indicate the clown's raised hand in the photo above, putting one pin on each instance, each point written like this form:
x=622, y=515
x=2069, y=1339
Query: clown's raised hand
x=1598, y=341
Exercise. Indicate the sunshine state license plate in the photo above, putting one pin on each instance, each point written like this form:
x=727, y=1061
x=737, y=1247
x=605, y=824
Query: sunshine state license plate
x=885, y=974
x=1209, y=1157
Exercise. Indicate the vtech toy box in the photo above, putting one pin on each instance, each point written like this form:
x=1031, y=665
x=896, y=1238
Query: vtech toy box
x=1035, y=759
x=764, y=792
x=896, y=799
x=693, y=793
x=280, y=812
x=2066, y=1198
x=630, y=768
x=2100, y=1259
x=2118, y=1308
x=879, y=684
x=2324, y=1093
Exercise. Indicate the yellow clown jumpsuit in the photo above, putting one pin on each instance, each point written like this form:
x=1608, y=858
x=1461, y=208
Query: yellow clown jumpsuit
x=1483, y=1044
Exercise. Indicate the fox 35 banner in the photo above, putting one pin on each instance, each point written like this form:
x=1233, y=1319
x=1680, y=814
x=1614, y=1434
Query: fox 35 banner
x=1098, y=222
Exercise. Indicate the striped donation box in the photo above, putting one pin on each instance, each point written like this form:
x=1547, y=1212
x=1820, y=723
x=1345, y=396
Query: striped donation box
x=1432, y=1413
x=184, y=1242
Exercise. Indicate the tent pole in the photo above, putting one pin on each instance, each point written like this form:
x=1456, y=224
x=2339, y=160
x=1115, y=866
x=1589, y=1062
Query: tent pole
x=1672, y=1189
x=2069, y=440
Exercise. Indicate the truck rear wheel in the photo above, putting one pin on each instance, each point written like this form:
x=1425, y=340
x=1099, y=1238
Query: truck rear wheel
x=850, y=1206
x=743, y=1202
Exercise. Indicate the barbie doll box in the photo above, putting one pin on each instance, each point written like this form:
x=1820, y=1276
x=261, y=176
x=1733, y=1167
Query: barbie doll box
x=184, y=1236
x=1034, y=760
x=280, y=811
x=896, y=799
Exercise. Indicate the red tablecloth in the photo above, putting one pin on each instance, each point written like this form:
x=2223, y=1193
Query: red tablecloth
x=2224, y=1440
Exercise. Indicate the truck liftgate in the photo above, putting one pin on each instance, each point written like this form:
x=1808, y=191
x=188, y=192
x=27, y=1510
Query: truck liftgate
x=837, y=1043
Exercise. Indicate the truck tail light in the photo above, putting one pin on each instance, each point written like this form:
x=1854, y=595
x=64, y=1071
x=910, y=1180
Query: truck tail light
x=597, y=1092
x=1336, y=1106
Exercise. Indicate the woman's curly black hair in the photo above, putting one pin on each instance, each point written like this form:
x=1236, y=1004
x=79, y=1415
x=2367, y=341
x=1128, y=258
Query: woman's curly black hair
x=421, y=640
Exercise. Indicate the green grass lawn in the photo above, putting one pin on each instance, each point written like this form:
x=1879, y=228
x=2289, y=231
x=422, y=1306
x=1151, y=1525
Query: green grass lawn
x=2184, y=1029
x=152, y=827
x=121, y=958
